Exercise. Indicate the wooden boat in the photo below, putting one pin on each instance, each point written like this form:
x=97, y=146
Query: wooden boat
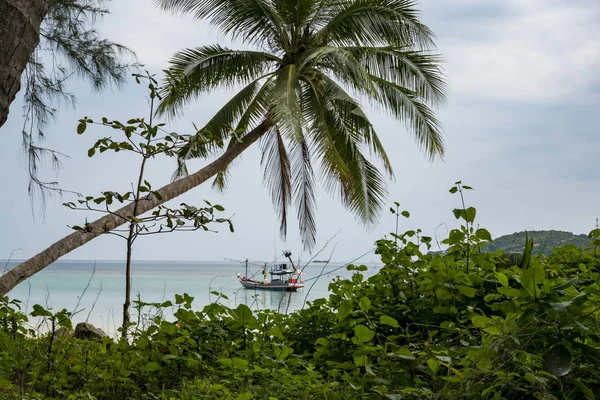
x=281, y=277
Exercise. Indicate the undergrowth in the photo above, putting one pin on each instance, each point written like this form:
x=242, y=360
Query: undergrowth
x=458, y=325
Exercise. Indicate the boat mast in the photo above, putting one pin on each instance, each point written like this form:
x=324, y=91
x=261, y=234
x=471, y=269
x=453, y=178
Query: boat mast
x=246, y=269
x=288, y=254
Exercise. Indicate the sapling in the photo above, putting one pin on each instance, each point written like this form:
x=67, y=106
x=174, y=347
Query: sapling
x=147, y=140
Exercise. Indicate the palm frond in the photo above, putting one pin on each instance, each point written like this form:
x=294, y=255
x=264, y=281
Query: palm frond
x=416, y=70
x=344, y=66
x=354, y=118
x=284, y=108
x=258, y=108
x=223, y=122
x=251, y=21
x=406, y=105
x=345, y=170
x=296, y=14
x=181, y=171
x=376, y=22
x=196, y=71
x=368, y=192
x=223, y=176
x=247, y=107
x=304, y=193
x=277, y=178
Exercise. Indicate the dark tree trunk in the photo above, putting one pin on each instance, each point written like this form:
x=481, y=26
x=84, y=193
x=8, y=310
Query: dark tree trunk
x=20, y=22
x=109, y=222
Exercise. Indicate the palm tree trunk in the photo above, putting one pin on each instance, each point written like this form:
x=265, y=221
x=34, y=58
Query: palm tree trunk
x=111, y=221
x=20, y=22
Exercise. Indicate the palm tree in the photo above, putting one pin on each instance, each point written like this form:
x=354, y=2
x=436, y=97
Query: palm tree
x=309, y=64
x=312, y=61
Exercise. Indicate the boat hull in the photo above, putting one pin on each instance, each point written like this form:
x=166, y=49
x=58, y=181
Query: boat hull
x=280, y=286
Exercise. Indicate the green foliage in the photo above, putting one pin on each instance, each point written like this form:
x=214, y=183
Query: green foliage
x=146, y=140
x=426, y=326
x=544, y=241
x=71, y=47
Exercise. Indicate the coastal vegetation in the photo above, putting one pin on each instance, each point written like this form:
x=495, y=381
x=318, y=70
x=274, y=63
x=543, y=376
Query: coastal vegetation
x=147, y=141
x=427, y=326
x=544, y=241
x=308, y=65
x=476, y=320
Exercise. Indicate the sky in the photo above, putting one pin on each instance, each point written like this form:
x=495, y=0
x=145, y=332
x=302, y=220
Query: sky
x=520, y=126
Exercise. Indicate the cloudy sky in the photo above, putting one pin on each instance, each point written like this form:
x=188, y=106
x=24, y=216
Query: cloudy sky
x=521, y=127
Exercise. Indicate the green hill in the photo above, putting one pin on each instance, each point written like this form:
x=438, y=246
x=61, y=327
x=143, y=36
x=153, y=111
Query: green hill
x=544, y=241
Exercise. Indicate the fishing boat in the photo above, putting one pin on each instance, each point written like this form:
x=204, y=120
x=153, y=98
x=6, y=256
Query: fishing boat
x=277, y=276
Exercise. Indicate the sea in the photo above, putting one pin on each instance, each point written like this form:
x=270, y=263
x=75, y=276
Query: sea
x=94, y=291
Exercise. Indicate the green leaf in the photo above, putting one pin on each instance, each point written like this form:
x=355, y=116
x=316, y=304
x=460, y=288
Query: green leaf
x=405, y=214
x=39, y=311
x=526, y=259
x=566, y=284
x=151, y=366
x=531, y=278
x=453, y=189
x=508, y=291
x=470, y=214
x=81, y=127
x=386, y=320
x=458, y=212
x=344, y=310
x=494, y=330
x=360, y=360
x=481, y=321
x=91, y=152
x=433, y=365
x=363, y=334
x=365, y=304
x=239, y=363
x=502, y=279
x=466, y=290
x=587, y=392
x=594, y=234
x=558, y=361
x=405, y=353
x=483, y=234
x=244, y=314
x=561, y=306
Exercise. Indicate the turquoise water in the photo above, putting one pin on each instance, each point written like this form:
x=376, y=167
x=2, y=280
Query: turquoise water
x=94, y=291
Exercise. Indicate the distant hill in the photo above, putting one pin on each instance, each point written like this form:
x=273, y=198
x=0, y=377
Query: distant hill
x=543, y=241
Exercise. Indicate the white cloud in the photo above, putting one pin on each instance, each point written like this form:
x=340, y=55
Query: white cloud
x=155, y=35
x=542, y=51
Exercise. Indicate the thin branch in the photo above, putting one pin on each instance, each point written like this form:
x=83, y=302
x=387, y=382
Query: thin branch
x=75, y=311
x=320, y=274
x=94, y=303
x=9, y=258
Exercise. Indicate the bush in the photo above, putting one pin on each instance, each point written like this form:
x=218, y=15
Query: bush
x=463, y=324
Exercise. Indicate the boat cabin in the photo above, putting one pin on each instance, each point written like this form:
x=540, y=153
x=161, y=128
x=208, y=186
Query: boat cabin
x=280, y=272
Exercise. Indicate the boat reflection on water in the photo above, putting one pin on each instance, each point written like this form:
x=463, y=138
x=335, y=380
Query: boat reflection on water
x=280, y=301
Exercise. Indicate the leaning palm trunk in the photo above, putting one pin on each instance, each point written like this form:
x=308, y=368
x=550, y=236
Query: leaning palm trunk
x=20, y=22
x=67, y=244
